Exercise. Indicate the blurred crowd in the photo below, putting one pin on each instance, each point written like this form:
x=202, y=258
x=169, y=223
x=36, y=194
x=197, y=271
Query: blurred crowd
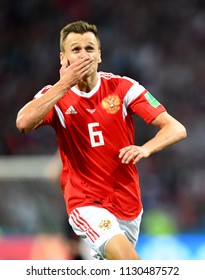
x=159, y=43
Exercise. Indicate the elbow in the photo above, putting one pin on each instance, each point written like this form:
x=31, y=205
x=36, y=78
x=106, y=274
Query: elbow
x=25, y=124
x=185, y=133
x=21, y=125
x=182, y=133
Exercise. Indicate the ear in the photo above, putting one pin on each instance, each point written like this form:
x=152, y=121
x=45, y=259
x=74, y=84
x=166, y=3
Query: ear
x=61, y=57
x=99, y=57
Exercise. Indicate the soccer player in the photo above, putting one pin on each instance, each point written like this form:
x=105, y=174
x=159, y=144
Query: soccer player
x=92, y=115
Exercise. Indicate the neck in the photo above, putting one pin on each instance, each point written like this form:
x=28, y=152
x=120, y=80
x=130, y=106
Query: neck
x=88, y=83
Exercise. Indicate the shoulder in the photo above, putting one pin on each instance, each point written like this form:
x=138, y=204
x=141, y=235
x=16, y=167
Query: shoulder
x=107, y=76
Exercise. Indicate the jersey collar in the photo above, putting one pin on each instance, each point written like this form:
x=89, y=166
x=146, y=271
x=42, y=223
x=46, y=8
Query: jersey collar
x=87, y=94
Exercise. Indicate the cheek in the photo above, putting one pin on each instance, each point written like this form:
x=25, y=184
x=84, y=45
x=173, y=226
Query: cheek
x=72, y=59
x=96, y=58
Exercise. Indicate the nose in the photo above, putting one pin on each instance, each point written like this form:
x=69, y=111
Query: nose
x=83, y=53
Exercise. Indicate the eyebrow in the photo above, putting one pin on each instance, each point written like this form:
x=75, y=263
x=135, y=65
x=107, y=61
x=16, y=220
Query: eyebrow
x=76, y=43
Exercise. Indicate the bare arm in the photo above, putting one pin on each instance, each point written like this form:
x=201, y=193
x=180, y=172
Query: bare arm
x=170, y=132
x=33, y=112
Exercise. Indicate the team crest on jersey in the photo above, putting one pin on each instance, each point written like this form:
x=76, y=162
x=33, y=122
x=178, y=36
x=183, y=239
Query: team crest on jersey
x=111, y=104
x=105, y=224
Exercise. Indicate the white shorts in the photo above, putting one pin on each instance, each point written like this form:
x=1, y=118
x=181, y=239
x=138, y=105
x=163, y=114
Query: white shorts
x=97, y=226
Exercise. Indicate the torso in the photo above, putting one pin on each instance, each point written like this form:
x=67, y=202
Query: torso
x=91, y=129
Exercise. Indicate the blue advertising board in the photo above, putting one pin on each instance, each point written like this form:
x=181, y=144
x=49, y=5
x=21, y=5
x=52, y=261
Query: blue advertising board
x=172, y=247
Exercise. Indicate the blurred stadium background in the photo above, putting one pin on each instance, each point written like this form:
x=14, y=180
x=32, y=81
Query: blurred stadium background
x=159, y=43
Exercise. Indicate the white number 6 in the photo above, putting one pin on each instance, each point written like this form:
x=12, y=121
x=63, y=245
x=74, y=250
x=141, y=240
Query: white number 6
x=96, y=137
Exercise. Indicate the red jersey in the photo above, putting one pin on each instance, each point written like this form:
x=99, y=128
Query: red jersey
x=91, y=128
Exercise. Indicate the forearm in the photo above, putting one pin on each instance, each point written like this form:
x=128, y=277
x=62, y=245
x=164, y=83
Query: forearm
x=33, y=112
x=166, y=136
x=170, y=132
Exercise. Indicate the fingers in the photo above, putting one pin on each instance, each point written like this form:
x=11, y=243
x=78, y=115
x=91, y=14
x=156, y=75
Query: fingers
x=131, y=154
x=73, y=73
x=82, y=63
x=83, y=66
x=64, y=63
x=80, y=67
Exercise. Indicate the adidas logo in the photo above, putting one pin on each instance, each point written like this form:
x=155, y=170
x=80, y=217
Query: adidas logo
x=71, y=110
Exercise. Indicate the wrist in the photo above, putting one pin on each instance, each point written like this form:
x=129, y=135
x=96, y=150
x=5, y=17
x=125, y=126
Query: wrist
x=61, y=87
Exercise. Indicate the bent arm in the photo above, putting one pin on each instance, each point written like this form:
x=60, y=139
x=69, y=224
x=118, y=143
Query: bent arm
x=32, y=114
x=170, y=132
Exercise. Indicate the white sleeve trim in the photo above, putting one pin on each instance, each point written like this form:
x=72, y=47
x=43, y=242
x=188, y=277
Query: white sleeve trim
x=131, y=95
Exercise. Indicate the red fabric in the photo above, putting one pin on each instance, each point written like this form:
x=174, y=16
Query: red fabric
x=91, y=129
